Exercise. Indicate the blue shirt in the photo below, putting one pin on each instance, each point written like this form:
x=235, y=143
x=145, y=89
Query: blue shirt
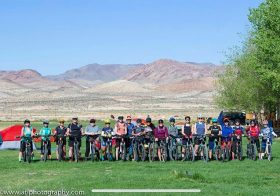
x=226, y=131
x=130, y=128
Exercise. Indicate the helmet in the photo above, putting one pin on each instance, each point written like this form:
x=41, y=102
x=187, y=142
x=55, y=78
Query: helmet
x=172, y=119
x=75, y=118
x=120, y=118
x=128, y=118
x=148, y=119
x=139, y=120
x=199, y=116
x=92, y=120
x=26, y=121
x=252, y=121
x=265, y=122
x=45, y=122
x=214, y=120
x=61, y=120
x=226, y=120
x=237, y=121
x=160, y=121
x=107, y=121
x=187, y=117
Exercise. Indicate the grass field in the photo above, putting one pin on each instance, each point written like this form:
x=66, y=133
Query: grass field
x=214, y=178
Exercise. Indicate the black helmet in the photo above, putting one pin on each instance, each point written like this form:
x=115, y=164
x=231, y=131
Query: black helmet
x=187, y=117
x=172, y=119
x=92, y=120
x=252, y=121
x=120, y=118
x=45, y=122
x=148, y=120
x=237, y=121
x=139, y=120
x=160, y=121
x=26, y=121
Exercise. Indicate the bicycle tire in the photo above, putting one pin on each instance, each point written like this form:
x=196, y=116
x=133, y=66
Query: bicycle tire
x=45, y=151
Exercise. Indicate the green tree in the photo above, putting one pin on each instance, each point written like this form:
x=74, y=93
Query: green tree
x=251, y=81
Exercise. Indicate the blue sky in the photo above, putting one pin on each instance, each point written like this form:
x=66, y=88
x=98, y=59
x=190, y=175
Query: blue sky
x=54, y=36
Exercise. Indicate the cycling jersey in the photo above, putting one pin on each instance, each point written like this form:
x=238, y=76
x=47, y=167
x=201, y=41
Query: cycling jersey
x=187, y=130
x=91, y=129
x=215, y=130
x=226, y=131
x=27, y=132
x=254, y=131
x=60, y=130
x=161, y=132
x=121, y=128
x=130, y=127
x=200, y=128
x=238, y=130
x=75, y=131
x=107, y=131
x=45, y=133
x=173, y=131
x=138, y=129
x=268, y=132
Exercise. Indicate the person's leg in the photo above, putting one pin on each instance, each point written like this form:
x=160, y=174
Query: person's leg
x=263, y=149
x=56, y=151
x=42, y=149
x=49, y=150
x=22, y=148
x=117, y=149
x=234, y=143
x=211, y=148
x=87, y=148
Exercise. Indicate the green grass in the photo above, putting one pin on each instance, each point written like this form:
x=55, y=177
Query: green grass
x=235, y=177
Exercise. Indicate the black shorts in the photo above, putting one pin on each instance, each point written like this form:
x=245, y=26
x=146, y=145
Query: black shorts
x=23, y=145
x=199, y=140
x=63, y=141
x=72, y=141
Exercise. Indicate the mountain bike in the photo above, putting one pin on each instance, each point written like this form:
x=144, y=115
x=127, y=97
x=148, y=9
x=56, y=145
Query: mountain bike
x=163, y=149
x=93, y=153
x=217, y=149
x=252, y=149
x=173, y=148
x=202, y=148
x=238, y=147
x=268, y=148
x=139, y=151
x=226, y=148
x=60, y=149
x=27, y=154
x=189, y=154
x=122, y=147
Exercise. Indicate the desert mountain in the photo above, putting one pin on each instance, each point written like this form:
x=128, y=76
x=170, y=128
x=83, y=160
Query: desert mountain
x=165, y=71
x=96, y=72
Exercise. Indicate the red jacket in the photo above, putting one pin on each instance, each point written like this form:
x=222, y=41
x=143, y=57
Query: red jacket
x=161, y=132
x=254, y=131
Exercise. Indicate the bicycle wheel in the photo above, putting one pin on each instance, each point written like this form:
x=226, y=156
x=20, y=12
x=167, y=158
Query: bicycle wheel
x=60, y=151
x=76, y=152
x=151, y=152
x=205, y=154
x=142, y=152
x=163, y=153
x=254, y=152
x=92, y=153
x=269, y=153
x=218, y=153
x=45, y=151
x=191, y=153
x=239, y=152
x=135, y=152
x=28, y=154
x=123, y=152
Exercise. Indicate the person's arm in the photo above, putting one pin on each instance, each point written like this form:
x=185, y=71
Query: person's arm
x=194, y=129
x=155, y=133
x=21, y=132
x=183, y=131
x=205, y=128
x=273, y=133
x=125, y=129
x=166, y=132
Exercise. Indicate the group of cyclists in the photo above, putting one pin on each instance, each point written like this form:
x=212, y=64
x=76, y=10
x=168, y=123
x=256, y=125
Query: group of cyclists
x=124, y=139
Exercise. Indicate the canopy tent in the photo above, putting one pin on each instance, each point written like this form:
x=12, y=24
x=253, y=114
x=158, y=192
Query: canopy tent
x=9, y=140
